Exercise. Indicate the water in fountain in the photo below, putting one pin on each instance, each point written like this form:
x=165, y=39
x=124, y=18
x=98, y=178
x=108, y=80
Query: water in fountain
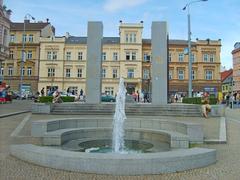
x=118, y=119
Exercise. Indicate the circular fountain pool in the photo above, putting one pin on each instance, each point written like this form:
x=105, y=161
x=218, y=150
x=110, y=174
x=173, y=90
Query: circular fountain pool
x=105, y=146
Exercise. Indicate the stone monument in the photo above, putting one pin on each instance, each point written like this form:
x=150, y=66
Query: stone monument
x=159, y=69
x=94, y=62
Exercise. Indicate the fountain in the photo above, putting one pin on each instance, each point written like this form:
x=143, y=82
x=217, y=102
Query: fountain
x=75, y=144
x=119, y=119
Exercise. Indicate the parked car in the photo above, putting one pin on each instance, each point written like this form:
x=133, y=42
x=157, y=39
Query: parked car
x=108, y=98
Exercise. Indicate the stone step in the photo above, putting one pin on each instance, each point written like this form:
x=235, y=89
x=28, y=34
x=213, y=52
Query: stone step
x=131, y=109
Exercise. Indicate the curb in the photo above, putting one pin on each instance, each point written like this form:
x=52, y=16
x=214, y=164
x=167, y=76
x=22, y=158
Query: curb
x=14, y=113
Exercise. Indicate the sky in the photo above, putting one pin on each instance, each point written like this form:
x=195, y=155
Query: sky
x=213, y=19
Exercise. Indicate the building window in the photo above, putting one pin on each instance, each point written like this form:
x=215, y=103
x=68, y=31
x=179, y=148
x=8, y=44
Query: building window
x=12, y=38
x=29, y=55
x=130, y=73
x=80, y=56
x=24, y=37
x=205, y=57
x=134, y=55
x=54, y=55
x=103, y=73
x=169, y=57
x=181, y=74
x=208, y=74
x=134, y=37
x=170, y=74
x=109, y=91
x=68, y=56
x=193, y=75
x=49, y=55
x=115, y=75
x=23, y=71
x=11, y=55
x=115, y=56
x=30, y=38
x=192, y=57
x=211, y=58
x=104, y=57
x=79, y=73
x=181, y=57
x=128, y=56
x=146, y=74
x=51, y=72
x=29, y=71
x=68, y=73
x=10, y=71
x=126, y=38
x=146, y=57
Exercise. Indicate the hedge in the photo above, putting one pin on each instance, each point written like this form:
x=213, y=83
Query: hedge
x=198, y=100
x=48, y=99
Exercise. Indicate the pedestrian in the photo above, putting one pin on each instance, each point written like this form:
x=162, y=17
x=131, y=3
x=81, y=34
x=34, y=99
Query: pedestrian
x=145, y=97
x=206, y=108
x=42, y=92
x=81, y=92
x=138, y=96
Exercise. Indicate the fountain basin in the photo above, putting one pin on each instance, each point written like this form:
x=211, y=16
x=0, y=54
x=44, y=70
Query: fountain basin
x=113, y=163
x=193, y=130
x=155, y=137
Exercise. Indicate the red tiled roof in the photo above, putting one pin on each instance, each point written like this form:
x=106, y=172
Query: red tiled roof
x=226, y=74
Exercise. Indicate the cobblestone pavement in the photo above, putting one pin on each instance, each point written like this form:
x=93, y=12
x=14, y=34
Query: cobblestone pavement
x=227, y=166
x=15, y=106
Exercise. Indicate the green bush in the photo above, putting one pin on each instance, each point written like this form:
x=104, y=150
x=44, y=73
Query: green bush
x=48, y=99
x=45, y=99
x=67, y=98
x=198, y=100
x=194, y=100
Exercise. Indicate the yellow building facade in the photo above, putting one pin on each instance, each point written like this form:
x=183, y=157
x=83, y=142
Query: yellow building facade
x=30, y=70
x=63, y=63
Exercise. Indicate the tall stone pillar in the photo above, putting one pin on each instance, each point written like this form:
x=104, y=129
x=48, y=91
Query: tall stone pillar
x=94, y=62
x=159, y=71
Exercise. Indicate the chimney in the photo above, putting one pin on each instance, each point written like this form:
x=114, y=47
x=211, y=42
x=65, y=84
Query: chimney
x=1, y=2
x=47, y=20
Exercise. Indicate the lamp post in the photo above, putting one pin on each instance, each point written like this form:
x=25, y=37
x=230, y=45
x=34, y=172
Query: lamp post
x=26, y=17
x=187, y=6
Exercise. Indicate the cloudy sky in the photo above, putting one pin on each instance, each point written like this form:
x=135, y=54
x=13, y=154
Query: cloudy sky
x=214, y=19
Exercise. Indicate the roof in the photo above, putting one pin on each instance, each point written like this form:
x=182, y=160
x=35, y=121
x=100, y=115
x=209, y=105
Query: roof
x=116, y=40
x=83, y=40
x=226, y=74
x=28, y=26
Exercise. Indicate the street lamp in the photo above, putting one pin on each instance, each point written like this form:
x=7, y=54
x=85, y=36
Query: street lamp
x=187, y=6
x=26, y=17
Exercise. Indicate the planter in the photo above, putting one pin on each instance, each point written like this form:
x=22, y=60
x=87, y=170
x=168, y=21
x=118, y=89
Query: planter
x=41, y=108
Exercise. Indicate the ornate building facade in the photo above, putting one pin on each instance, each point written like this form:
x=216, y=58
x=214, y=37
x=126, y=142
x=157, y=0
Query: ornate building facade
x=236, y=67
x=63, y=63
x=4, y=36
x=31, y=39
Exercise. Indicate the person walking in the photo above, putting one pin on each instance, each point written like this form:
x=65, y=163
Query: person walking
x=42, y=92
